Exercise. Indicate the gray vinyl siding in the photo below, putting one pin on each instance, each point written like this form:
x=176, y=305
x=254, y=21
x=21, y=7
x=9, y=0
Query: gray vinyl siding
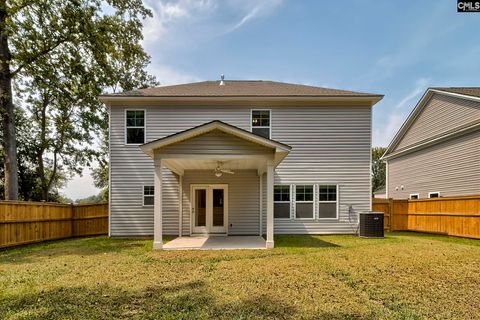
x=243, y=199
x=330, y=145
x=441, y=114
x=216, y=142
x=451, y=167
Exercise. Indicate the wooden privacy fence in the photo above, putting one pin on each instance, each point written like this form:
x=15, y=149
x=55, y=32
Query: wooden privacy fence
x=28, y=222
x=456, y=216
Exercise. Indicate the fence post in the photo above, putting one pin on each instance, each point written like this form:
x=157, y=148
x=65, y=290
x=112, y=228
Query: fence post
x=390, y=209
x=72, y=210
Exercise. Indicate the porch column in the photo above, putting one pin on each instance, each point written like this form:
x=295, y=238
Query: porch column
x=157, y=211
x=270, y=181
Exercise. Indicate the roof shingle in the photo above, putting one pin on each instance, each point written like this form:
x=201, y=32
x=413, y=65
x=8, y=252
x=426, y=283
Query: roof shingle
x=243, y=88
x=468, y=91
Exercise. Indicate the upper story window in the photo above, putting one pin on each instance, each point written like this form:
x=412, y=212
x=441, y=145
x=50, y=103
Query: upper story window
x=135, y=126
x=261, y=123
x=327, y=201
x=414, y=196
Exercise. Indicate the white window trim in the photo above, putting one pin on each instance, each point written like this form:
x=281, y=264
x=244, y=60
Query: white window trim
x=144, y=127
x=289, y=202
x=262, y=127
x=143, y=195
x=430, y=194
x=413, y=194
x=312, y=202
x=337, y=196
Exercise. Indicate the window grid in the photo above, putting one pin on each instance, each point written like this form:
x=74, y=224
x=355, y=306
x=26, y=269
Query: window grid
x=260, y=123
x=148, y=195
x=261, y=118
x=327, y=193
x=304, y=193
x=281, y=193
x=134, y=121
x=282, y=199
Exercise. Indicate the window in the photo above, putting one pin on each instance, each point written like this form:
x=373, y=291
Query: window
x=261, y=123
x=327, y=201
x=135, y=126
x=434, y=194
x=304, y=202
x=281, y=198
x=414, y=196
x=148, y=195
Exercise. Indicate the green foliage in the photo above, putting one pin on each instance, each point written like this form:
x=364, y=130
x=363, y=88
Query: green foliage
x=92, y=199
x=29, y=184
x=64, y=54
x=378, y=168
x=100, y=173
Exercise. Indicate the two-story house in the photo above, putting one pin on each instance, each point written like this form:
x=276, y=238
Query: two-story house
x=436, y=153
x=238, y=158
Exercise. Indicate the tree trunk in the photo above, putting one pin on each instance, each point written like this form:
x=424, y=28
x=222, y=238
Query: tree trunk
x=7, y=111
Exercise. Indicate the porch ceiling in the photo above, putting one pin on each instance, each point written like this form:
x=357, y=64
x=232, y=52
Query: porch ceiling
x=207, y=164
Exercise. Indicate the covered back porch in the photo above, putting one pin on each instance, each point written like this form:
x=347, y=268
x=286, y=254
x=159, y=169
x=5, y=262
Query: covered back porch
x=216, y=163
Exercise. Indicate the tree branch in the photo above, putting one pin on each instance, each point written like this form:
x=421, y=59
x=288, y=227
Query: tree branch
x=38, y=55
x=17, y=8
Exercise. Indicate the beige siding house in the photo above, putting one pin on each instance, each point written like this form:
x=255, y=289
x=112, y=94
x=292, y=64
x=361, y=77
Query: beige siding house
x=238, y=158
x=436, y=153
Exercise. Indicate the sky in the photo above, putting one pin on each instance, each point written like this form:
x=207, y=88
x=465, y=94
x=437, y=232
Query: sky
x=396, y=48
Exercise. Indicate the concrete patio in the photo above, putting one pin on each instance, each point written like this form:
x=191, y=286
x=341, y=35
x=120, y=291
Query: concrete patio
x=216, y=243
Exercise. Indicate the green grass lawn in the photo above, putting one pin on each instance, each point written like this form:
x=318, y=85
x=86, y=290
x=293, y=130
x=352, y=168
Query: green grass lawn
x=405, y=276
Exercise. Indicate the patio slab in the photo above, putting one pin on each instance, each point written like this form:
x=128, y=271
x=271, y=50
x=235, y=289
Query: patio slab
x=216, y=243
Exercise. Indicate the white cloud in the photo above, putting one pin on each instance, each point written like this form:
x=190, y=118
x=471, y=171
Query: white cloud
x=169, y=14
x=254, y=9
x=420, y=86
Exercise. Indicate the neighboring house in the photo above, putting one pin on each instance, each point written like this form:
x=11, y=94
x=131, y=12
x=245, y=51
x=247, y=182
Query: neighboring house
x=436, y=153
x=380, y=193
x=238, y=158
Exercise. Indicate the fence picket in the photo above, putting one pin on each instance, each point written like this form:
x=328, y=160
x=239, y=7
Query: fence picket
x=29, y=222
x=456, y=216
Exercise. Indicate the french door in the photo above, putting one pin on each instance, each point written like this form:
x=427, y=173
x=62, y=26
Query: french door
x=209, y=209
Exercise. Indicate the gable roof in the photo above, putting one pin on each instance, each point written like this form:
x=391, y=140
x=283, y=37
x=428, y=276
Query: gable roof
x=465, y=91
x=240, y=88
x=470, y=93
x=149, y=147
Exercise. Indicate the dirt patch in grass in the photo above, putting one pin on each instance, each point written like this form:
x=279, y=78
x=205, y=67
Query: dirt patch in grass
x=404, y=276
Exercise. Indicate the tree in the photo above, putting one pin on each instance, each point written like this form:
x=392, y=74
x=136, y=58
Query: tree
x=28, y=182
x=47, y=42
x=378, y=168
x=92, y=199
x=100, y=174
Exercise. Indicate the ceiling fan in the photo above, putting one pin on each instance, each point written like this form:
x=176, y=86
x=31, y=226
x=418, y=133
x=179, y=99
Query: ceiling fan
x=219, y=170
